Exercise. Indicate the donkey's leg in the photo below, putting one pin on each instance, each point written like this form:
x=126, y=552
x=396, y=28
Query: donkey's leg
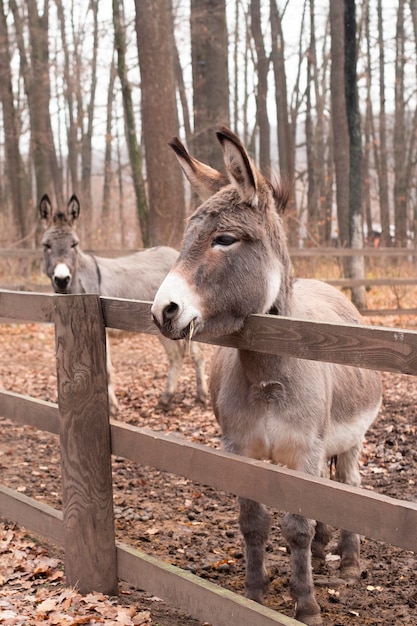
x=254, y=524
x=113, y=403
x=347, y=471
x=197, y=356
x=321, y=538
x=175, y=353
x=299, y=532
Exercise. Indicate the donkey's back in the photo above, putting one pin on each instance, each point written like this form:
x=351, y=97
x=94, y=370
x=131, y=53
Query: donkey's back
x=136, y=276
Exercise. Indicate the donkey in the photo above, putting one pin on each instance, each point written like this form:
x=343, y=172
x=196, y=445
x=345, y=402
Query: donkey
x=136, y=276
x=234, y=262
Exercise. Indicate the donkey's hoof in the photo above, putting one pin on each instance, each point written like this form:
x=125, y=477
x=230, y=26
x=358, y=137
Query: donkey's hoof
x=310, y=620
x=350, y=573
x=202, y=398
x=165, y=401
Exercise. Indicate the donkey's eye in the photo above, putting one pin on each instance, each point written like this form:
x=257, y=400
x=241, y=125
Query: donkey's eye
x=74, y=245
x=224, y=240
x=46, y=246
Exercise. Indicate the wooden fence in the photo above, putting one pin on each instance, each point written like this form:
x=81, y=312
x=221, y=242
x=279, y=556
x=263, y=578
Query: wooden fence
x=85, y=527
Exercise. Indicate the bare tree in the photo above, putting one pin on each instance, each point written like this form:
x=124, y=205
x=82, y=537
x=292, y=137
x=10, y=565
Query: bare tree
x=34, y=59
x=155, y=37
x=17, y=176
x=261, y=70
x=209, y=47
x=135, y=155
x=339, y=119
x=357, y=263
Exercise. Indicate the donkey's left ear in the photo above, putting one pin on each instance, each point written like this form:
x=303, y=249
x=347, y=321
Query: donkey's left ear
x=205, y=180
x=45, y=208
x=73, y=208
x=241, y=171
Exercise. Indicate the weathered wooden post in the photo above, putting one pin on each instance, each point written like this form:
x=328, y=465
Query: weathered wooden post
x=89, y=539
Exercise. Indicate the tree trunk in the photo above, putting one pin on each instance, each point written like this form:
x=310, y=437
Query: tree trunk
x=357, y=263
x=155, y=37
x=135, y=155
x=382, y=170
x=17, y=178
x=262, y=67
x=339, y=120
x=400, y=183
x=209, y=46
x=108, y=174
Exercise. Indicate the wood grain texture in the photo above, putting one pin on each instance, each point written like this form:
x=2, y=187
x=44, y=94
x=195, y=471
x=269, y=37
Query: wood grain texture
x=90, y=553
x=342, y=506
x=24, y=306
x=32, y=411
x=38, y=517
x=192, y=594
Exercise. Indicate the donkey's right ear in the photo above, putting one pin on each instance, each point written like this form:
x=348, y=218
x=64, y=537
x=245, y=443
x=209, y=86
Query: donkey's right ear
x=205, y=180
x=73, y=208
x=45, y=208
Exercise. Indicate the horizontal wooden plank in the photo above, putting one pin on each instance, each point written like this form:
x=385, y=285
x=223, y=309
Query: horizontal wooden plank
x=25, y=306
x=27, y=410
x=40, y=518
x=355, y=509
x=132, y=315
x=196, y=596
x=343, y=252
x=371, y=282
x=386, y=312
x=371, y=347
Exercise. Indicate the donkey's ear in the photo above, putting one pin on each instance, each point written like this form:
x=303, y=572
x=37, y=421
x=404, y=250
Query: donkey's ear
x=45, y=208
x=239, y=166
x=205, y=180
x=73, y=208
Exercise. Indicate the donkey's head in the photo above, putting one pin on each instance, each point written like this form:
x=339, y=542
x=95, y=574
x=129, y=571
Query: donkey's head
x=234, y=259
x=60, y=243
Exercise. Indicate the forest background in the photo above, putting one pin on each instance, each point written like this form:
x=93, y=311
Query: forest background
x=323, y=91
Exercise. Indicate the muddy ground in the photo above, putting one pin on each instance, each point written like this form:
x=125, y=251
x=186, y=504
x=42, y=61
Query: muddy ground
x=188, y=524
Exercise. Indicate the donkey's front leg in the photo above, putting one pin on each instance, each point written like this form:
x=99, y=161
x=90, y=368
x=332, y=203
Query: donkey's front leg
x=199, y=361
x=175, y=354
x=299, y=533
x=254, y=524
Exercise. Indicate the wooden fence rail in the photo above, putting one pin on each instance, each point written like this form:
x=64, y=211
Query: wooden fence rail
x=85, y=527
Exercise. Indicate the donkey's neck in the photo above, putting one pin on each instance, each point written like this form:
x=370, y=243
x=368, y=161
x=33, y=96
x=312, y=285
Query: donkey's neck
x=87, y=278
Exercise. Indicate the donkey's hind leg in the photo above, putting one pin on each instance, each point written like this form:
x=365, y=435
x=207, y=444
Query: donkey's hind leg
x=175, y=353
x=299, y=532
x=254, y=524
x=347, y=471
x=197, y=356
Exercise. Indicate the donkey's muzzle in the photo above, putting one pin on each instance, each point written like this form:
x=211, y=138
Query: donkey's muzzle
x=61, y=283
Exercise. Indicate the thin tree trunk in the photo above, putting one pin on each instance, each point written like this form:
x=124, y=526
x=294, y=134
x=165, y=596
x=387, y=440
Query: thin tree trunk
x=357, y=263
x=400, y=183
x=17, y=178
x=108, y=174
x=339, y=120
x=262, y=67
x=382, y=170
x=135, y=155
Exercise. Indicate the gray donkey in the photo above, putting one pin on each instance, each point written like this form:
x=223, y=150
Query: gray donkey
x=234, y=262
x=136, y=276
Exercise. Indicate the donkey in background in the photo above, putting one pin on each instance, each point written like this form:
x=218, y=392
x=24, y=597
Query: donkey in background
x=135, y=277
x=234, y=262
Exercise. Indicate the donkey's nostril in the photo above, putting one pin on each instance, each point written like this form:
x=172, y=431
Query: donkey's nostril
x=170, y=311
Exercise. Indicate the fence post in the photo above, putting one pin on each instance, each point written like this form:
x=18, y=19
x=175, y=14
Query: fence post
x=89, y=538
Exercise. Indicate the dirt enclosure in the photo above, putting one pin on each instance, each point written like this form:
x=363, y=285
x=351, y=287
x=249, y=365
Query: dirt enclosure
x=188, y=524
